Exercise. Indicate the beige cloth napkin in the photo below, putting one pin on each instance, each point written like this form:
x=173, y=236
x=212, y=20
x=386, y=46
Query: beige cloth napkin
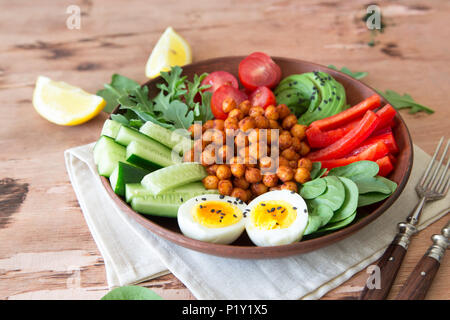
x=133, y=254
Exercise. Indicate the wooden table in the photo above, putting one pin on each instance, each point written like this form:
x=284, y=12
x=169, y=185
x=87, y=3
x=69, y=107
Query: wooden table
x=46, y=249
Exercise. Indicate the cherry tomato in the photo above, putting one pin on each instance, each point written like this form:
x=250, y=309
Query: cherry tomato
x=257, y=70
x=262, y=97
x=217, y=79
x=221, y=94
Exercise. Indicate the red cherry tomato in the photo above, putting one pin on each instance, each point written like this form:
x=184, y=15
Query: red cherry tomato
x=220, y=95
x=217, y=79
x=257, y=70
x=262, y=97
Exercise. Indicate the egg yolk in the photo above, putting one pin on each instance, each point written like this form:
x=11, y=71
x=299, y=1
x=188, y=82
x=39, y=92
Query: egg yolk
x=216, y=214
x=273, y=214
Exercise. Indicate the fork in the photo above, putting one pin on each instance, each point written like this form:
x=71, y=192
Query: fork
x=433, y=186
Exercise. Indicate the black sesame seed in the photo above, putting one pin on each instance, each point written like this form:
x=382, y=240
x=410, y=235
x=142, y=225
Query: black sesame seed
x=229, y=201
x=319, y=108
x=278, y=208
x=263, y=204
x=212, y=210
x=204, y=199
x=305, y=211
x=295, y=208
x=326, y=101
x=288, y=95
x=241, y=202
x=201, y=207
x=337, y=97
x=292, y=192
x=221, y=196
x=295, y=82
x=234, y=215
x=181, y=199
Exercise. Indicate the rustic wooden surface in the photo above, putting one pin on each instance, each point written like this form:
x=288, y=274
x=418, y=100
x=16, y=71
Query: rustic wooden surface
x=46, y=249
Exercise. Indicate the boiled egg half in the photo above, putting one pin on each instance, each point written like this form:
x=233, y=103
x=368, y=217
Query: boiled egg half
x=276, y=218
x=212, y=218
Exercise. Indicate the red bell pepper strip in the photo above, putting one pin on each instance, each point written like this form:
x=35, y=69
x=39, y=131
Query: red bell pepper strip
x=384, y=135
x=317, y=138
x=375, y=151
x=349, y=114
x=350, y=141
x=385, y=165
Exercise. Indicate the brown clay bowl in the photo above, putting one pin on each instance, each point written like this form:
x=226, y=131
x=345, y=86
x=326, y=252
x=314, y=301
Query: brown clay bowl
x=167, y=228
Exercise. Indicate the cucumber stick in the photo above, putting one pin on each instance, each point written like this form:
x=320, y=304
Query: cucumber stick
x=165, y=205
x=149, y=157
x=170, y=177
x=123, y=174
x=170, y=139
x=137, y=190
x=111, y=128
x=107, y=153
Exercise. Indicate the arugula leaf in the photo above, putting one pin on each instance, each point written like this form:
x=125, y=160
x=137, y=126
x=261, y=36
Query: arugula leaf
x=356, y=74
x=205, y=112
x=174, y=111
x=119, y=86
x=131, y=293
x=406, y=101
x=175, y=87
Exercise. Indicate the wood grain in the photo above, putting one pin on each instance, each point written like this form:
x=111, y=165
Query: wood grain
x=46, y=250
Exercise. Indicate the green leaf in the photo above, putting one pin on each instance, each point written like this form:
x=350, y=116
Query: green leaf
x=205, y=112
x=316, y=171
x=179, y=114
x=119, y=86
x=131, y=293
x=175, y=87
x=354, y=74
x=356, y=170
x=406, y=101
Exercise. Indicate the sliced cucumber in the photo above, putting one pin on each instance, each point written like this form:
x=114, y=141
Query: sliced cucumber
x=107, y=153
x=126, y=135
x=137, y=190
x=170, y=139
x=173, y=176
x=165, y=205
x=148, y=156
x=111, y=128
x=123, y=174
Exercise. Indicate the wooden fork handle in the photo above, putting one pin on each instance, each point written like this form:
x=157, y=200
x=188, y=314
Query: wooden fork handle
x=380, y=283
x=419, y=281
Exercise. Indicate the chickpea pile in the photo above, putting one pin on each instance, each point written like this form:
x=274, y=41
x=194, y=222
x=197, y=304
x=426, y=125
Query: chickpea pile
x=244, y=176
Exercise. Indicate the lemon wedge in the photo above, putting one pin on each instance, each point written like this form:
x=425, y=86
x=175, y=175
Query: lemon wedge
x=170, y=50
x=63, y=104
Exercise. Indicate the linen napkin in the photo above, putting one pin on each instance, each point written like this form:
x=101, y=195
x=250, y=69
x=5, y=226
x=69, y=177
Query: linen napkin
x=133, y=254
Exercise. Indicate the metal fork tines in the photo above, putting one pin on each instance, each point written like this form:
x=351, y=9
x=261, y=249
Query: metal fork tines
x=434, y=184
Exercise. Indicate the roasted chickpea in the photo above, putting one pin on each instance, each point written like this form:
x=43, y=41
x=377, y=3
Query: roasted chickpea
x=240, y=193
x=289, y=122
x=231, y=123
x=225, y=187
x=304, y=149
x=299, y=131
x=218, y=137
x=250, y=161
x=245, y=106
x=258, y=188
x=271, y=113
x=243, y=152
x=208, y=125
x=236, y=160
x=261, y=122
x=219, y=124
x=195, y=129
x=228, y=104
x=223, y=172
x=236, y=113
x=253, y=135
x=283, y=111
x=237, y=169
x=207, y=136
x=256, y=111
x=188, y=156
x=273, y=124
x=289, y=185
x=223, y=154
x=285, y=173
x=253, y=175
x=258, y=150
x=247, y=123
x=290, y=154
x=284, y=141
x=305, y=163
x=296, y=144
x=293, y=164
x=265, y=162
x=241, y=183
x=270, y=180
x=211, y=170
x=208, y=156
x=282, y=161
x=211, y=182
x=302, y=175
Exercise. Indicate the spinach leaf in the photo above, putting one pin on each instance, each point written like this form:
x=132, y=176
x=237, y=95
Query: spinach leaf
x=333, y=196
x=119, y=86
x=338, y=224
x=131, y=293
x=350, y=202
x=372, y=184
x=356, y=170
x=316, y=171
x=319, y=215
x=312, y=189
x=406, y=101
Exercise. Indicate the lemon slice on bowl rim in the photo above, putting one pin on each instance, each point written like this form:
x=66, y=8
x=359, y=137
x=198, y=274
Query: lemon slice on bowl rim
x=170, y=50
x=64, y=104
